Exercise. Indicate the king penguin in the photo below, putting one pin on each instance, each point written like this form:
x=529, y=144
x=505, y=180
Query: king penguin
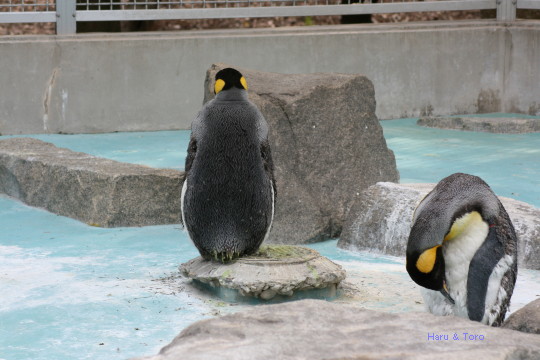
x=229, y=191
x=462, y=250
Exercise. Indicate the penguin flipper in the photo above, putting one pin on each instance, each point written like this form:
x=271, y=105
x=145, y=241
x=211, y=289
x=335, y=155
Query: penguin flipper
x=268, y=163
x=480, y=269
x=191, y=151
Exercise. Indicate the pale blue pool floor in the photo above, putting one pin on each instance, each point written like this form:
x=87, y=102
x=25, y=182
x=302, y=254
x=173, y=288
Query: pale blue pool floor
x=74, y=291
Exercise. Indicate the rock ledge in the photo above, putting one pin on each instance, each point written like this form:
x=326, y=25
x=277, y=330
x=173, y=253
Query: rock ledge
x=317, y=330
x=493, y=125
x=97, y=191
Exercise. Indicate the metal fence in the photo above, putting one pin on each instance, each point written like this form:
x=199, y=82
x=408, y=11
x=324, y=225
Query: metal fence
x=66, y=13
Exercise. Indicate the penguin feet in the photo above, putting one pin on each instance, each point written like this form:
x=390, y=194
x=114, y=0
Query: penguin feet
x=226, y=256
x=221, y=256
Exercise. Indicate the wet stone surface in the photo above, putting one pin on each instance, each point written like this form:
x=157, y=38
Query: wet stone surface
x=275, y=271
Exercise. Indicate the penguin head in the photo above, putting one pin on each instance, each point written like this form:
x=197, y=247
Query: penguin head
x=425, y=261
x=229, y=78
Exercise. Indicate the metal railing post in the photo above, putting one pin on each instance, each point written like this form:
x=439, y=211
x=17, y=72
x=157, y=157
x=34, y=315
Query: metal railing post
x=65, y=17
x=506, y=10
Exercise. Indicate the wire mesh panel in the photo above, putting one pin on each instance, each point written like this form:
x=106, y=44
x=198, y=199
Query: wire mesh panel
x=26, y=11
x=197, y=4
x=101, y=10
x=190, y=4
x=27, y=5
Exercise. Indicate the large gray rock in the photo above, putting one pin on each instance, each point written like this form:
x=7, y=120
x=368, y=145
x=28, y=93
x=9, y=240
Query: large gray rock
x=96, y=191
x=483, y=124
x=526, y=319
x=315, y=329
x=327, y=146
x=381, y=217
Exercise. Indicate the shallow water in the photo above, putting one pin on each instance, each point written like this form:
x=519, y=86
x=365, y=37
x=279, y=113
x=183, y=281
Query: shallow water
x=70, y=290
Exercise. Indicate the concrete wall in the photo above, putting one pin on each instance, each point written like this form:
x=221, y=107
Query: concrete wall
x=521, y=90
x=153, y=81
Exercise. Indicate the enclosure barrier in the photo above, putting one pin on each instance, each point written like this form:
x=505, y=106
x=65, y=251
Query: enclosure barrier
x=66, y=13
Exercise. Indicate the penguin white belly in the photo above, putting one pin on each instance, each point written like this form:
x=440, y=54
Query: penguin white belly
x=464, y=239
x=436, y=303
x=458, y=253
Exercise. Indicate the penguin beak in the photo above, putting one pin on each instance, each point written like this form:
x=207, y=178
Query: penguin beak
x=446, y=294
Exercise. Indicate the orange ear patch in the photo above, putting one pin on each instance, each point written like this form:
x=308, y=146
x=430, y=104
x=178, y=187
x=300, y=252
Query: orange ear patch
x=218, y=86
x=426, y=260
x=243, y=82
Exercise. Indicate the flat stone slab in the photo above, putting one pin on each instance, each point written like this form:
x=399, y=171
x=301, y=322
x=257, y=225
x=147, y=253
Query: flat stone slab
x=380, y=221
x=94, y=190
x=273, y=270
x=317, y=330
x=498, y=125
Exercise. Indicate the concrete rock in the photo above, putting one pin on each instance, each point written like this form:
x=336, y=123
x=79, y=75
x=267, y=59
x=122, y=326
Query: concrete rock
x=526, y=319
x=380, y=218
x=315, y=329
x=380, y=221
x=492, y=125
x=273, y=270
x=96, y=191
x=327, y=146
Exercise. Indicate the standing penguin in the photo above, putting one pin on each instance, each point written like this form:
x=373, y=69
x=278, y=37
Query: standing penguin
x=463, y=249
x=229, y=190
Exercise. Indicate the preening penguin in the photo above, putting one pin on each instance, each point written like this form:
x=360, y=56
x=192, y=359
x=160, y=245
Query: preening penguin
x=229, y=191
x=463, y=249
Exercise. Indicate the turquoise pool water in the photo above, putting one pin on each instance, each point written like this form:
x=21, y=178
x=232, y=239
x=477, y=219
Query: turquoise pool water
x=509, y=163
x=73, y=291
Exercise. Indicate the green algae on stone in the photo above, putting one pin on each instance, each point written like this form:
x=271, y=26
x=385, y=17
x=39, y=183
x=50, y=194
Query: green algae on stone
x=313, y=271
x=282, y=252
x=227, y=274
